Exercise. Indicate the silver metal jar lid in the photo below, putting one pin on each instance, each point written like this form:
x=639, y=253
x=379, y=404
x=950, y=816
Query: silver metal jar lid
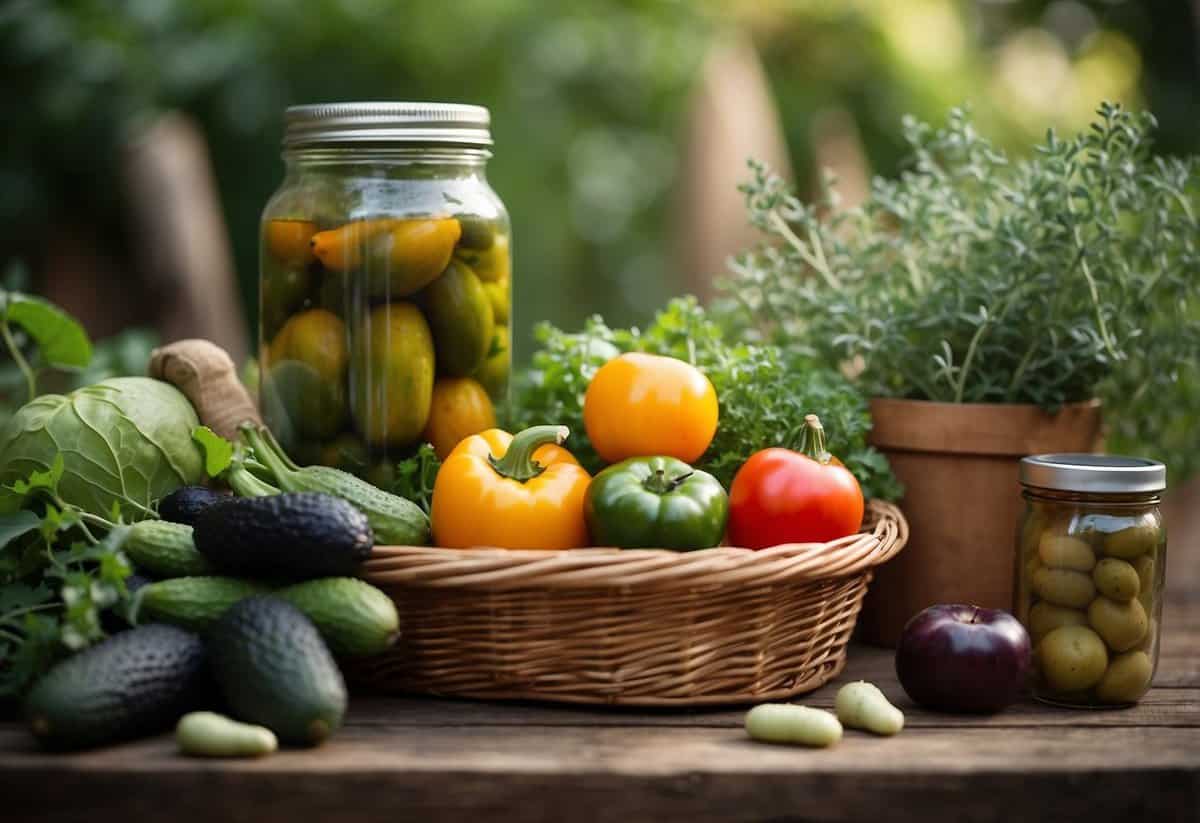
x=1100, y=473
x=453, y=124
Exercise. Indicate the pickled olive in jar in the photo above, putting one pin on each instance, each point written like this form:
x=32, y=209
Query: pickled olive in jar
x=1121, y=625
x=460, y=318
x=392, y=375
x=461, y=407
x=369, y=292
x=1046, y=617
x=1064, y=587
x=1072, y=658
x=1133, y=540
x=1116, y=579
x=1090, y=550
x=1127, y=678
x=1060, y=551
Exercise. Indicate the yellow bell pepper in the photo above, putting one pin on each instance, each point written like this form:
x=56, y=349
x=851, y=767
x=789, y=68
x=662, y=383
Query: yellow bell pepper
x=522, y=492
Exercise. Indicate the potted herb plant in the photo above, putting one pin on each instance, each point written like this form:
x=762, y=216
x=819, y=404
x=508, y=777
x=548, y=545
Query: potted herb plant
x=991, y=306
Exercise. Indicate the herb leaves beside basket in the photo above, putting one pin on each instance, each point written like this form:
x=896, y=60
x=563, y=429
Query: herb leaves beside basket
x=979, y=277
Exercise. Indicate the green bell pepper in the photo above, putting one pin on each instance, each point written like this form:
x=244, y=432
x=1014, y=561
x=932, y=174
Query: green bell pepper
x=656, y=502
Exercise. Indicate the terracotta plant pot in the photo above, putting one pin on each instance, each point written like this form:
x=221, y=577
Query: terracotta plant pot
x=958, y=463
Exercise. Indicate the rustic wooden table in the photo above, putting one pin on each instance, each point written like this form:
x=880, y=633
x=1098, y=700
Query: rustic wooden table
x=421, y=759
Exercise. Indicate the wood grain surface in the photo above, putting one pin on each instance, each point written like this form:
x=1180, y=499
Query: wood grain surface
x=414, y=759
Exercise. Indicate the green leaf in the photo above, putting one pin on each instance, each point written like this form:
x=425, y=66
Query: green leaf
x=16, y=524
x=21, y=596
x=218, y=452
x=61, y=340
x=47, y=480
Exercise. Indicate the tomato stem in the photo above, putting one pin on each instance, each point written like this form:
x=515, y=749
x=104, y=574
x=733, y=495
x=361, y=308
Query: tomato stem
x=812, y=440
x=518, y=463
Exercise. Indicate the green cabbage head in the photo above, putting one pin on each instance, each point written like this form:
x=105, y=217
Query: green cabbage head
x=127, y=440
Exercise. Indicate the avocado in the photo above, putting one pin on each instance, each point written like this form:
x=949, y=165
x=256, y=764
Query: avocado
x=135, y=683
x=274, y=670
x=292, y=536
x=185, y=504
x=355, y=618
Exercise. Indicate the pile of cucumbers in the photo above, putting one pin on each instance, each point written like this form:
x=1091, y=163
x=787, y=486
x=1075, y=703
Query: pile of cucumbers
x=250, y=601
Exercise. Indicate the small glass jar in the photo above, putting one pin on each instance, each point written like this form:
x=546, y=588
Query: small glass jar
x=1091, y=560
x=385, y=285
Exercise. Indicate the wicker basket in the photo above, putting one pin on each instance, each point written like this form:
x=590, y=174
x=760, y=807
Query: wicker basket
x=631, y=627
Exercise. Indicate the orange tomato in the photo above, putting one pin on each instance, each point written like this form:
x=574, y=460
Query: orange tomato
x=522, y=492
x=643, y=405
x=460, y=408
x=289, y=241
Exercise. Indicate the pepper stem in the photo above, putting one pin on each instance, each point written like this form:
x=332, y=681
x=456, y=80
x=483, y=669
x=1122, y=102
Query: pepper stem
x=812, y=439
x=518, y=463
x=660, y=483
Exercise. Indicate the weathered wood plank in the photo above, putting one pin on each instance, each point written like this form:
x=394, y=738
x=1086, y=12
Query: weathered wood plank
x=623, y=774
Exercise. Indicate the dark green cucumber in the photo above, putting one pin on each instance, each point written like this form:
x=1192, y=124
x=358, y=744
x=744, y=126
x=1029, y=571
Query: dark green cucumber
x=355, y=618
x=394, y=520
x=193, y=603
x=163, y=549
x=184, y=504
x=275, y=670
x=284, y=536
x=135, y=683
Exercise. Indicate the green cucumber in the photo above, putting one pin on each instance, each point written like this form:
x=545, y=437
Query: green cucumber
x=164, y=549
x=394, y=520
x=354, y=617
x=193, y=603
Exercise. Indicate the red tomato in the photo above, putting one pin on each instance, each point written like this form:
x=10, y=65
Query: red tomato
x=783, y=496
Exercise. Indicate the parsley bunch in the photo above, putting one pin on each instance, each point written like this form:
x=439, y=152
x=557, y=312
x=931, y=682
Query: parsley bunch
x=977, y=277
x=763, y=397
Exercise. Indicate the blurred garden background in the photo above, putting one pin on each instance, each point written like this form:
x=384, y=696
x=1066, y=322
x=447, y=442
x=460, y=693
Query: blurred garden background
x=599, y=113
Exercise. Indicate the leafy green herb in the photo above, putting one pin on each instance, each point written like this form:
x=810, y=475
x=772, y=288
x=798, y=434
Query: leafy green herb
x=763, y=398
x=218, y=452
x=976, y=277
x=414, y=476
x=56, y=579
x=60, y=341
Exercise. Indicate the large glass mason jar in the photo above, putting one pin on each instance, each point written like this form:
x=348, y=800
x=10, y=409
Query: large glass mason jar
x=1091, y=559
x=385, y=285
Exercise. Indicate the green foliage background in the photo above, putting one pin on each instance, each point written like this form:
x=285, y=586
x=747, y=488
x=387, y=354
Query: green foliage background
x=587, y=96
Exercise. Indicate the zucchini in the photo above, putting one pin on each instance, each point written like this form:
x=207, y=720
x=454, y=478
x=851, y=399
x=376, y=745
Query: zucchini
x=394, y=520
x=164, y=549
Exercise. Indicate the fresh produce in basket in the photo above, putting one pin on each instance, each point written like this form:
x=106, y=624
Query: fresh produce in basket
x=640, y=405
x=960, y=658
x=656, y=502
x=290, y=536
x=275, y=670
x=513, y=492
x=782, y=496
x=135, y=683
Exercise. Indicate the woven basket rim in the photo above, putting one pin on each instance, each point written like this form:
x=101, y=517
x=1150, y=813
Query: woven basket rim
x=494, y=569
